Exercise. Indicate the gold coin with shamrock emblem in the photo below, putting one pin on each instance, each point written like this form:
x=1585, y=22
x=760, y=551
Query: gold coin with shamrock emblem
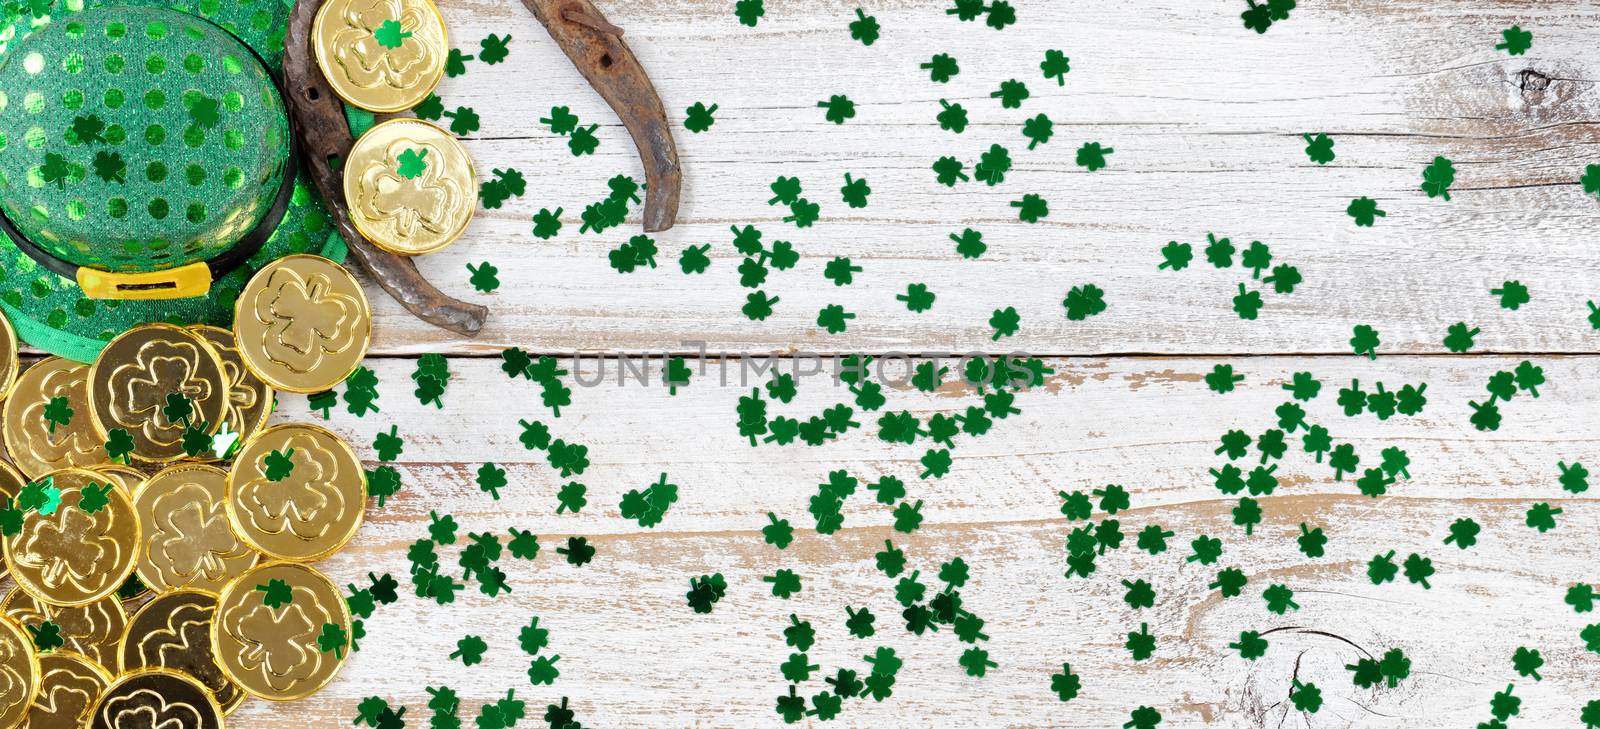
x=136, y=383
x=91, y=631
x=296, y=492
x=82, y=548
x=19, y=673
x=381, y=55
x=410, y=187
x=187, y=540
x=69, y=684
x=173, y=631
x=250, y=400
x=9, y=364
x=46, y=420
x=155, y=698
x=281, y=646
x=302, y=324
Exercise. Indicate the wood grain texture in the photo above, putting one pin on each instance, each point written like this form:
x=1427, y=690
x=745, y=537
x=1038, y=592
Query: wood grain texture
x=633, y=654
x=1206, y=119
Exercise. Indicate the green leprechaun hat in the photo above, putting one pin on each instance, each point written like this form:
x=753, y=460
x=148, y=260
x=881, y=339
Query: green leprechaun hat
x=147, y=165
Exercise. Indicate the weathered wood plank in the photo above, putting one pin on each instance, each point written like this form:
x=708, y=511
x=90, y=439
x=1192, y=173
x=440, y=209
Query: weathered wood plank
x=626, y=636
x=1205, y=117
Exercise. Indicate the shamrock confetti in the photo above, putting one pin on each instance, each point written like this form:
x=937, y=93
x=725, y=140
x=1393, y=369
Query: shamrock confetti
x=698, y=118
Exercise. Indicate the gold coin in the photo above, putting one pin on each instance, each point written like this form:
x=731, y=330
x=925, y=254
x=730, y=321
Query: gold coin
x=348, y=37
x=410, y=187
x=130, y=383
x=37, y=447
x=72, y=556
x=173, y=631
x=19, y=673
x=69, y=684
x=91, y=631
x=155, y=698
x=187, y=540
x=272, y=652
x=9, y=364
x=250, y=401
x=302, y=324
x=311, y=512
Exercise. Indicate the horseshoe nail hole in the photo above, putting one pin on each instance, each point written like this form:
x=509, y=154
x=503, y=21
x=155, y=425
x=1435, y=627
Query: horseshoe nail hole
x=335, y=162
x=313, y=94
x=606, y=61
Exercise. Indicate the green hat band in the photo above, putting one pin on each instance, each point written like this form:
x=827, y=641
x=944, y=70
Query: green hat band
x=137, y=139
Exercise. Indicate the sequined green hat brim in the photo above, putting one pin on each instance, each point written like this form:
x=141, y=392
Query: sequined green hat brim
x=50, y=312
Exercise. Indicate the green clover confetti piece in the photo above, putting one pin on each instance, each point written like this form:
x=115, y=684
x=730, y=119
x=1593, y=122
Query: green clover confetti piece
x=1574, y=478
x=431, y=108
x=1305, y=696
x=1485, y=416
x=1437, y=178
x=110, y=167
x=1503, y=705
x=1581, y=598
x=799, y=635
x=948, y=171
x=1517, y=41
x=1091, y=156
x=855, y=191
x=1458, y=338
x=57, y=412
x=838, y=108
x=941, y=68
x=1221, y=379
x=46, y=636
x=1263, y=13
x=1219, y=251
x=10, y=519
x=388, y=445
x=1418, y=569
x=1512, y=295
x=1011, y=94
x=1365, y=211
x=1280, y=599
x=456, y=63
x=578, y=552
x=413, y=163
x=699, y=117
x=1139, y=594
x=967, y=10
x=278, y=465
x=542, y=671
x=1230, y=582
x=1038, y=130
x=94, y=497
x=55, y=170
x=390, y=35
x=1005, y=322
x=583, y=140
x=1084, y=301
x=1141, y=645
x=1542, y=516
x=832, y=318
x=785, y=583
x=748, y=12
x=197, y=440
x=1319, y=148
x=275, y=594
x=1247, y=304
x=1176, y=256
x=993, y=165
x=178, y=408
x=1284, y=278
x=953, y=117
x=492, y=49
x=865, y=28
x=119, y=443
x=1250, y=645
x=1001, y=14
x=1364, y=340
x=1031, y=208
x=1527, y=662
x=470, y=650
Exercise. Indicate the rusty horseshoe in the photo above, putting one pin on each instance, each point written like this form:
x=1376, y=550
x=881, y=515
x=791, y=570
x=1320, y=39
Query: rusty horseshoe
x=595, y=47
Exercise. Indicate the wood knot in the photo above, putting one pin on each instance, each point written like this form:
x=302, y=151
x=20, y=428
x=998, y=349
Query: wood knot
x=1533, y=84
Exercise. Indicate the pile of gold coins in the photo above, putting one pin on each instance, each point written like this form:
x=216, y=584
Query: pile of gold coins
x=409, y=185
x=163, y=589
